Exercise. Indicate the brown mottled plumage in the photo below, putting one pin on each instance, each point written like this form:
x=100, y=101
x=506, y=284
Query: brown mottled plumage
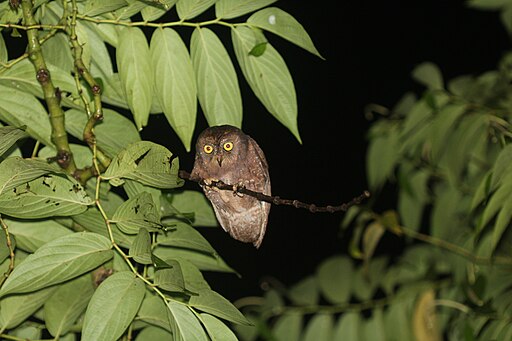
x=225, y=153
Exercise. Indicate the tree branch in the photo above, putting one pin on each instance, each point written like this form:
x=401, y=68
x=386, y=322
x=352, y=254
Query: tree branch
x=275, y=200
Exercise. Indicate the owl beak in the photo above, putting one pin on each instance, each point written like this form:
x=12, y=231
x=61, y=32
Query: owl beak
x=219, y=160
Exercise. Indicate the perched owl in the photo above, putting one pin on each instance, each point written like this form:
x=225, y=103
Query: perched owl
x=224, y=153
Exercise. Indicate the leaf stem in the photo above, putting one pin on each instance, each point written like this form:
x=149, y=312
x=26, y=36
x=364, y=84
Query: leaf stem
x=11, y=252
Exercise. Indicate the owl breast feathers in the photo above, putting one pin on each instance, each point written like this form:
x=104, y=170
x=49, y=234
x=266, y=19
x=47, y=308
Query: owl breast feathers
x=225, y=153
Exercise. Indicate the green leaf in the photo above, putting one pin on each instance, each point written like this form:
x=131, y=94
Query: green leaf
x=141, y=247
x=348, y=327
x=211, y=302
x=371, y=238
x=228, y=9
x=146, y=162
x=3, y=51
x=217, y=83
x=4, y=249
x=113, y=307
x=203, y=261
x=66, y=305
x=9, y=136
x=97, y=7
x=320, y=327
x=54, y=53
x=15, y=309
x=305, y=292
x=18, y=108
x=153, y=310
x=216, y=329
x=381, y=157
x=58, y=261
x=136, y=73
x=153, y=333
x=288, y=327
x=174, y=82
x=192, y=8
x=442, y=126
x=279, y=22
x=429, y=75
x=502, y=223
x=112, y=134
x=334, y=279
x=170, y=277
x=268, y=77
x=498, y=199
x=185, y=236
x=47, y=196
x=32, y=234
x=185, y=325
x=488, y=4
x=15, y=171
x=194, y=202
x=151, y=13
x=136, y=213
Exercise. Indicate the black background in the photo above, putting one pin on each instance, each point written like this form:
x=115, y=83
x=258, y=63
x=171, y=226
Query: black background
x=370, y=48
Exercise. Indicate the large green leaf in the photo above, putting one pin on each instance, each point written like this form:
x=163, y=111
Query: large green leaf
x=279, y=22
x=18, y=108
x=58, y=261
x=112, y=134
x=32, y=234
x=3, y=50
x=268, y=77
x=136, y=73
x=15, y=309
x=96, y=7
x=320, y=327
x=47, y=196
x=9, y=136
x=138, y=212
x=184, y=324
x=217, y=83
x=146, y=162
x=153, y=333
x=201, y=260
x=192, y=8
x=228, y=9
x=216, y=329
x=113, y=307
x=194, y=202
x=153, y=310
x=156, y=9
x=168, y=276
x=288, y=327
x=141, y=247
x=213, y=303
x=68, y=302
x=15, y=171
x=348, y=327
x=185, y=236
x=174, y=82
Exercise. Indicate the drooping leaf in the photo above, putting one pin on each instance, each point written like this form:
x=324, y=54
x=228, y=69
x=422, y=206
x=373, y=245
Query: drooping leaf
x=288, y=327
x=136, y=213
x=145, y=162
x=15, y=171
x=113, y=307
x=170, y=277
x=68, y=302
x=320, y=327
x=153, y=310
x=216, y=329
x=174, y=82
x=58, y=261
x=46, y=196
x=335, y=278
x=268, y=77
x=32, y=234
x=213, y=303
x=192, y=8
x=279, y=22
x=9, y=136
x=136, y=73
x=184, y=324
x=18, y=108
x=217, y=83
x=428, y=74
x=141, y=247
x=228, y=9
x=15, y=309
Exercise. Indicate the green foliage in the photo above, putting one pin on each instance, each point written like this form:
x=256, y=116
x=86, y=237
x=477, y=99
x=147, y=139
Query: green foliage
x=98, y=242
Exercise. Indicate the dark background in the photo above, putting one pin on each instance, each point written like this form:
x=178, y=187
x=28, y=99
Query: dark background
x=370, y=48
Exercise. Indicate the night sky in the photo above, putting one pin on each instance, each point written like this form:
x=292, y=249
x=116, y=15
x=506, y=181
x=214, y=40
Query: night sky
x=370, y=48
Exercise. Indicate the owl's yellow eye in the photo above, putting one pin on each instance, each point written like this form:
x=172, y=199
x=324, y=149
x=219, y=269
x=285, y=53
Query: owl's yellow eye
x=228, y=146
x=208, y=149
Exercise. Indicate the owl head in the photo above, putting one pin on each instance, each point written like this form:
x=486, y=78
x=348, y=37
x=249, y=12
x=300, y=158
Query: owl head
x=221, y=147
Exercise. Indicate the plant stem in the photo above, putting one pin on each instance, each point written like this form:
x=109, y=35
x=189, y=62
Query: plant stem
x=51, y=96
x=11, y=252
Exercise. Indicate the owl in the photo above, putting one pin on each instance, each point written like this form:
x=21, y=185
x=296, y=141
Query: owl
x=224, y=153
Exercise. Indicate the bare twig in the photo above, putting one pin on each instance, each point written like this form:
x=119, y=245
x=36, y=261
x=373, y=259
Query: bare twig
x=275, y=200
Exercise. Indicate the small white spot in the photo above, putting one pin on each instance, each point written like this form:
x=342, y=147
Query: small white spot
x=272, y=19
